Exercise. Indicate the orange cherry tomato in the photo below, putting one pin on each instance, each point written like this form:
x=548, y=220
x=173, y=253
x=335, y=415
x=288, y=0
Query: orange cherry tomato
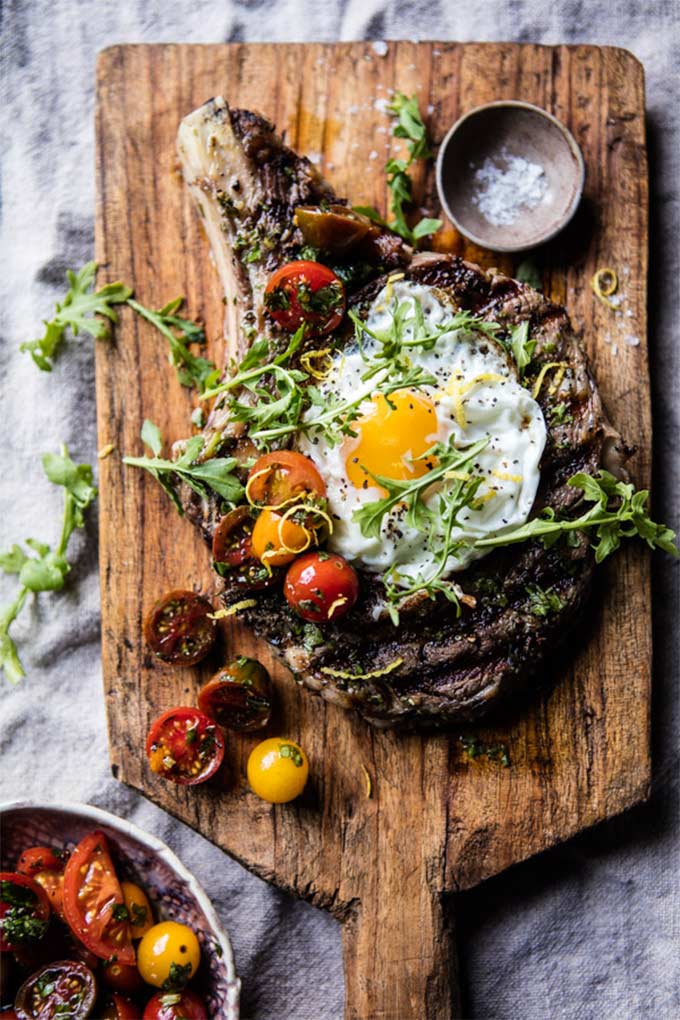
x=305, y=292
x=277, y=541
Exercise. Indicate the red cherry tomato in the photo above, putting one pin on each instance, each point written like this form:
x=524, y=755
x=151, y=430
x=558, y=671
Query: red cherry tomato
x=184, y=745
x=278, y=478
x=232, y=539
x=24, y=911
x=64, y=988
x=174, y=1005
x=93, y=901
x=179, y=629
x=118, y=1007
x=321, y=587
x=305, y=292
x=122, y=977
x=47, y=869
x=39, y=858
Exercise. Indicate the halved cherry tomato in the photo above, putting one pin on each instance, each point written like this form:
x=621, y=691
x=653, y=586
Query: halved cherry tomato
x=305, y=292
x=118, y=1007
x=184, y=745
x=175, y=1005
x=278, y=540
x=122, y=977
x=47, y=869
x=239, y=695
x=231, y=541
x=93, y=901
x=179, y=629
x=321, y=587
x=254, y=576
x=139, y=910
x=24, y=911
x=278, y=479
x=64, y=988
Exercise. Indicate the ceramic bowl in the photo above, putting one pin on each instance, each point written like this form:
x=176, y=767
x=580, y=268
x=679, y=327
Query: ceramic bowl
x=493, y=132
x=173, y=891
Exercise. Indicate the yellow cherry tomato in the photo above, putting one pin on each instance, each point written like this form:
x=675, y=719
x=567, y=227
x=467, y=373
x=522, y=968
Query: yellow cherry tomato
x=168, y=952
x=138, y=908
x=278, y=770
x=277, y=542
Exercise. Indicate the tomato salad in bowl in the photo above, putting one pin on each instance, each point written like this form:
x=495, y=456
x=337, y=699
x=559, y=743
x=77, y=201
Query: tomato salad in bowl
x=99, y=919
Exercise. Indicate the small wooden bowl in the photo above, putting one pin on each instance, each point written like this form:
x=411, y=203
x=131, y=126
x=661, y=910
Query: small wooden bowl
x=520, y=129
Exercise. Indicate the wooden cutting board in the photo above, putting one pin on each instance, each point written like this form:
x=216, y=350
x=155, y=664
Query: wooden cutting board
x=437, y=821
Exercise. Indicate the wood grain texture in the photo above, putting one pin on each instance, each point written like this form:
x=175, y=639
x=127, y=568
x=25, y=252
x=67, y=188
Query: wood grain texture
x=437, y=821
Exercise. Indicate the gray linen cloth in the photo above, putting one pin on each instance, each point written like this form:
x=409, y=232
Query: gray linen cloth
x=591, y=929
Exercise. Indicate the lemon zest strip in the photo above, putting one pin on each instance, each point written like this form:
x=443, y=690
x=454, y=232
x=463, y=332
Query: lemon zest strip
x=369, y=784
x=232, y=610
x=542, y=374
x=602, y=289
x=307, y=360
x=362, y=676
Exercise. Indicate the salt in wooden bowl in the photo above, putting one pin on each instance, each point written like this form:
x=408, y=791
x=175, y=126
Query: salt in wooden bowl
x=489, y=161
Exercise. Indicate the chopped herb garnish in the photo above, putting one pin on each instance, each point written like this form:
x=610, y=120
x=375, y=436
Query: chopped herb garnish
x=475, y=748
x=543, y=602
x=177, y=977
x=120, y=912
x=292, y=752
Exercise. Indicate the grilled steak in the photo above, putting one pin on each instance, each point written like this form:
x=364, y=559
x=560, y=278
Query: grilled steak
x=435, y=667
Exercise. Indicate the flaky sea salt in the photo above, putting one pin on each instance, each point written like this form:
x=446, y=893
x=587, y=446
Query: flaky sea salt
x=379, y=47
x=508, y=185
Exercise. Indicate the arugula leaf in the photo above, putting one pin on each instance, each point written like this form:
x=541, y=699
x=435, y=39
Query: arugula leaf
x=522, y=347
x=78, y=311
x=618, y=511
x=192, y=370
x=409, y=126
x=47, y=569
x=215, y=474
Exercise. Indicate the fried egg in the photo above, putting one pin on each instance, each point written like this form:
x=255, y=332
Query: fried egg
x=475, y=394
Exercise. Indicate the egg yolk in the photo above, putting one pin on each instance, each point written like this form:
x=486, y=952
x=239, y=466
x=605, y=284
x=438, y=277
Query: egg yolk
x=397, y=430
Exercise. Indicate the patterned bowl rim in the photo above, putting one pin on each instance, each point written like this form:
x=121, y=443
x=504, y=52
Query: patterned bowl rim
x=153, y=843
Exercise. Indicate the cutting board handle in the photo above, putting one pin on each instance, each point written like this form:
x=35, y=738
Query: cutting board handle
x=399, y=950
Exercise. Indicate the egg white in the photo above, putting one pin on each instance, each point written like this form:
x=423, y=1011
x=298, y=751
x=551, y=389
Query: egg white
x=476, y=379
